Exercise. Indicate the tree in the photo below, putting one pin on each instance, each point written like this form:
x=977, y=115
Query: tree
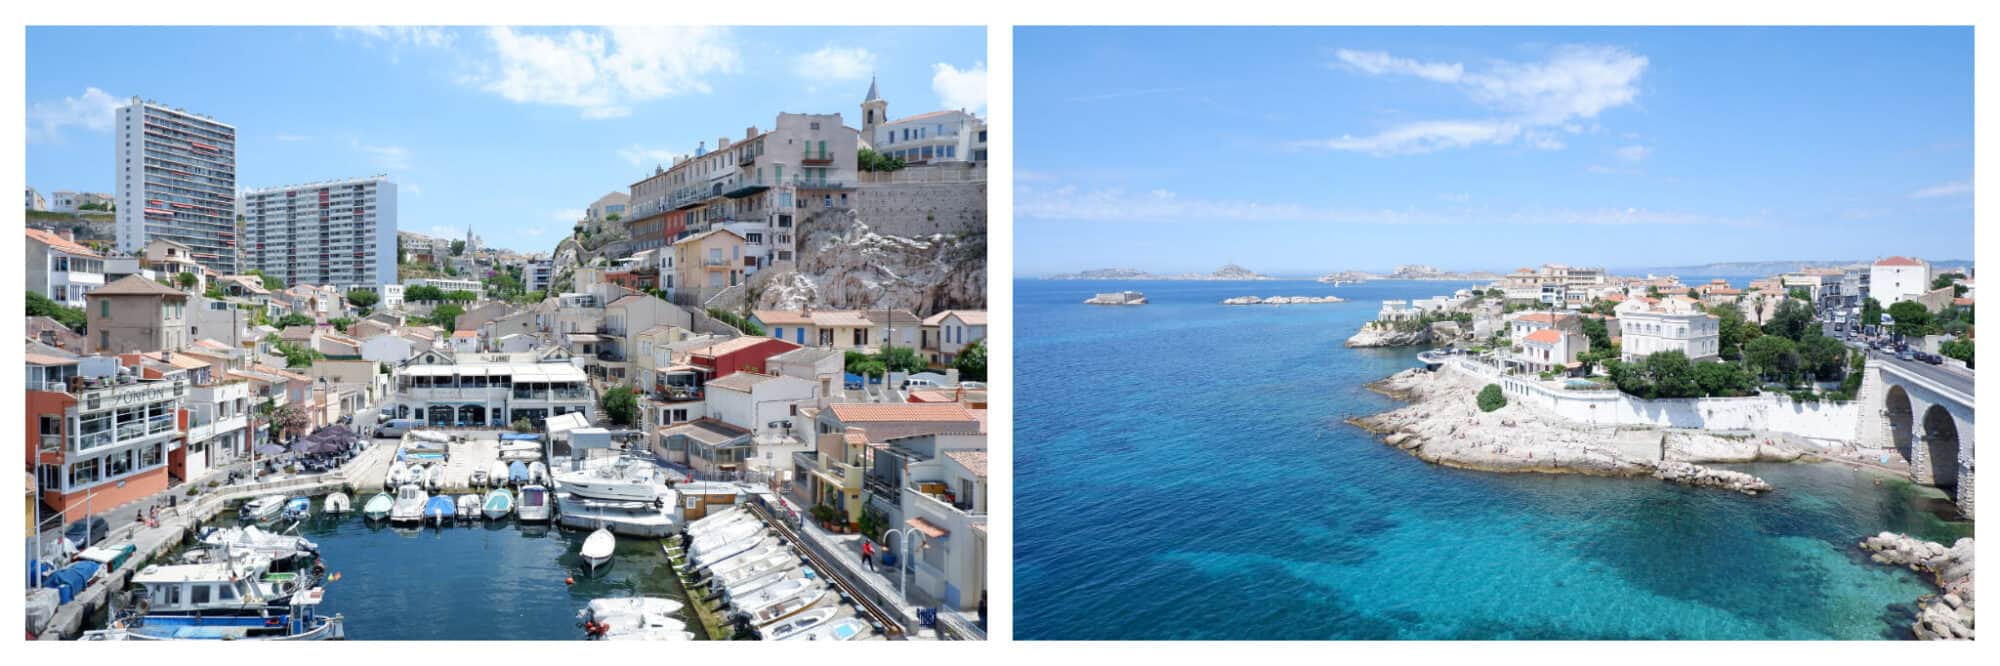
x=446, y=316
x=423, y=293
x=1823, y=357
x=620, y=405
x=1945, y=280
x=1732, y=332
x=42, y=306
x=1871, y=312
x=868, y=160
x=1599, y=334
x=214, y=291
x=186, y=280
x=1958, y=349
x=457, y=248
x=270, y=283
x=364, y=299
x=971, y=361
x=460, y=296
x=901, y=359
x=1672, y=375
x=341, y=323
x=294, y=319
x=1791, y=320
x=614, y=217
x=289, y=418
x=1772, y=358
x=1911, y=318
x=1722, y=379
x=1490, y=398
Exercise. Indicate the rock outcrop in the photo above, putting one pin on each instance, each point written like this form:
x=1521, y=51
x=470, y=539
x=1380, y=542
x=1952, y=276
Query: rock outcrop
x=1444, y=425
x=1376, y=335
x=1947, y=615
x=844, y=265
x=1282, y=300
x=1117, y=298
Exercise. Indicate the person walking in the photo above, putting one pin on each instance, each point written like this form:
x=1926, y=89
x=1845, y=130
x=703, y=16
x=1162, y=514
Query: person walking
x=868, y=554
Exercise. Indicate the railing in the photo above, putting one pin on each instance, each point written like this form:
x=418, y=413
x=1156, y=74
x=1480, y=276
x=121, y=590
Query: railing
x=822, y=157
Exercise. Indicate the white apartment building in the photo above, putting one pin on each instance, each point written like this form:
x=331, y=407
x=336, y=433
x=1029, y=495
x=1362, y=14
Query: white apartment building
x=176, y=179
x=35, y=200
x=606, y=206
x=336, y=232
x=537, y=274
x=62, y=269
x=449, y=284
x=937, y=136
x=1897, y=279
x=65, y=201
x=1673, y=324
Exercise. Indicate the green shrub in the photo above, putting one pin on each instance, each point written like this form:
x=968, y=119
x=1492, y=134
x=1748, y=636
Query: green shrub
x=1490, y=398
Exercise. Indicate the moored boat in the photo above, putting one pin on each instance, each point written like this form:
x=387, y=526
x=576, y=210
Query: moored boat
x=840, y=630
x=538, y=473
x=800, y=624
x=781, y=601
x=597, y=548
x=517, y=473
x=634, y=618
x=409, y=507
x=378, y=507
x=298, y=508
x=261, y=510
x=337, y=504
x=439, y=510
x=535, y=505
x=468, y=507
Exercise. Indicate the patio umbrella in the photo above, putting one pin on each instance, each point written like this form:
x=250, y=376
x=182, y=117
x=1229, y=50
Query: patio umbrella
x=325, y=446
x=270, y=449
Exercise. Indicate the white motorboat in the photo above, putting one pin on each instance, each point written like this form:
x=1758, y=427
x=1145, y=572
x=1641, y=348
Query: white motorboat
x=399, y=474
x=650, y=634
x=780, y=601
x=498, y=504
x=840, y=630
x=597, y=548
x=409, y=507
x=538, y=473
x=337, y=504
x=522, y=451
x=732, y=551
x=751, y=568
x=430, y=436
x=378, y=507
x=764, y=552
x=434, y=477
x=711, y=524
x=751, y=586
x=496, y=474
x=704, y=548
x=636, y=618
x=535, y=505
x=799, y=624
x=261, y=510
x=249, y=539
x=468, y=507
x=624, y=479
x=604, y=609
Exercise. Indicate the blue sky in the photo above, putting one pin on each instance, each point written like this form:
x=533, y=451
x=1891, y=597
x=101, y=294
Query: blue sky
x=1317, y=149
x=509, y=131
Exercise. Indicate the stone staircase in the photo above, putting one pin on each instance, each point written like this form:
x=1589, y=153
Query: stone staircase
x=1873, y=429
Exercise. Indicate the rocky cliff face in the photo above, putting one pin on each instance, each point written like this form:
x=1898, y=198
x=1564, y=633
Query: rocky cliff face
x=1373, y=335
x=845, y=265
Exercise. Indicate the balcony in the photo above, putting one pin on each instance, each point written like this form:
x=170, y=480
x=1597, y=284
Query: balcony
x=820, y=184
x=958, y=505
x=746, y=188
x=678, y=394
x=821, y=157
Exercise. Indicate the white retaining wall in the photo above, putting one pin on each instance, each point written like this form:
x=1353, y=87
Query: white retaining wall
x=1767, y=412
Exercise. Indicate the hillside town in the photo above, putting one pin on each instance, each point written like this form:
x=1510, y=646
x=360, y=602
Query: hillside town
x=792, y=316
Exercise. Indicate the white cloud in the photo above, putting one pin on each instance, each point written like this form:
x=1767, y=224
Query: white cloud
x=291, y=138
x=567, y=215
x=1575, y=84
x=1633, y=153
x=401, y=35
x=639, y=156
x=1953, y=188
x=602, y=73
x=1071, y=204
x=394, y=158
x=960, y=89
x=835, y=63
x=95, y=111
x=1378, y=63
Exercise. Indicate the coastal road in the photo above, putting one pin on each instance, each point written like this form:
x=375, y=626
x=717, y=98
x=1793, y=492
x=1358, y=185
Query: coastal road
x=1954, y=378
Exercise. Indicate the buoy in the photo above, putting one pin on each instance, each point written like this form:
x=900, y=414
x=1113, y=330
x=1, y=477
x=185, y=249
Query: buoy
x=569, y=580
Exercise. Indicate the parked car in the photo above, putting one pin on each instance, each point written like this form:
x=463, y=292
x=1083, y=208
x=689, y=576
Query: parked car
x=1933, y=359
x=87, y=532
x=1906, y=355
x=397, y=427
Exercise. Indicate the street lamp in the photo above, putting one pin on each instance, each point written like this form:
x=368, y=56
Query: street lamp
x=903, y=566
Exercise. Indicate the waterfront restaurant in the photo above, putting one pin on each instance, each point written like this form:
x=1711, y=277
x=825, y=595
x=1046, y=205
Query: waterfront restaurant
x=490, y=390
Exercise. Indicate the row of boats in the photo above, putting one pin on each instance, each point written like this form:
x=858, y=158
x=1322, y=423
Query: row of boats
x=500, y=473
x=412, y=504
x=761, y=580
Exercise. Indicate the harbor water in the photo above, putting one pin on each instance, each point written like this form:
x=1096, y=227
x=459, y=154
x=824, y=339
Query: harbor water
x=486, y=580
x=1182, y=471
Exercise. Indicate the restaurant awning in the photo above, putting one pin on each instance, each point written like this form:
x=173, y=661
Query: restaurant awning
x=925, y=526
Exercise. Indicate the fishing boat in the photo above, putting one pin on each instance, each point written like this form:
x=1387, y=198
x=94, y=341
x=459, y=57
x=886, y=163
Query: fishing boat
x=498, y=504
x=597, y=548
x=225, y=600
x=303, y=623
x=439, y=509
x=261, y=510
x=409, y=507
x=749, y=587
x=536, y=505
x=800, y=624
x=538, y=473
x=378, y=507
x=468, y=507
x=764, y=553
x=298, y=508
x=517, y=473
x=723, y=555
x=635, y=618
x=752, y=568
x=841, y=630
x=780, y=601
x=337, y=504
x=705, y=548
x=251, y=540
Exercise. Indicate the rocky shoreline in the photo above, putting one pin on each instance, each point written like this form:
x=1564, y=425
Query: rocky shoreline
x=1443, y=425
x=1282, y=300
x=1947, y=615
x=1375, y=335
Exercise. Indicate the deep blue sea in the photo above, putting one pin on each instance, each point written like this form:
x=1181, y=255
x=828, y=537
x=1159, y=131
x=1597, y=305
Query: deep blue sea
x=1182, y=471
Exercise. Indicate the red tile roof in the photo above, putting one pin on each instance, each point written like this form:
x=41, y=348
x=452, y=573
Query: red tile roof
x=1545, y=336
x=1899, y=261
x=867, y=412
x=58, y=242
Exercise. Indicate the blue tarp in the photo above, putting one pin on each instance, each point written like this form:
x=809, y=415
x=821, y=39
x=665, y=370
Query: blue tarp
x=516, y=471
x=46, y=569
x=519, y=436
x=71, y=580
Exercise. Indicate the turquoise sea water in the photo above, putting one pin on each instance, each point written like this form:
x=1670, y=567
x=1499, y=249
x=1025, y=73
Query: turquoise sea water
x=495, y=581
x=1182, y=471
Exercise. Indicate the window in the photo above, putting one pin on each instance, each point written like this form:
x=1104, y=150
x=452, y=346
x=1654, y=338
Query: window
x=104, y=308
x=199, y=595
x=51, y=425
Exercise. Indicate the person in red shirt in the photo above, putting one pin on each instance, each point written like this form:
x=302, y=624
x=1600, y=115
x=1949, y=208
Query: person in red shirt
x=868, y=554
